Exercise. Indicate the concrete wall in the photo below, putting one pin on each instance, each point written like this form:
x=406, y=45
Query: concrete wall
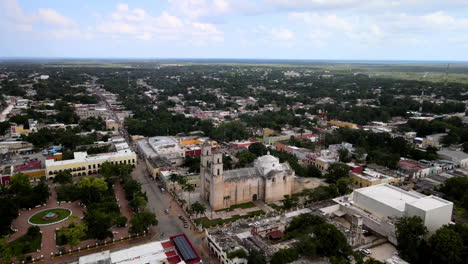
x=433, y=219
x=376, y=207
x=279, y=185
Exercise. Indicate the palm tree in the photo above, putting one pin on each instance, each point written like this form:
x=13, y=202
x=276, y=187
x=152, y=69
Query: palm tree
x=190, y=188
x=198, y=208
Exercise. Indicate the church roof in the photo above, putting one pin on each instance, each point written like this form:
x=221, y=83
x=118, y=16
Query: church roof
x=267, y=163
x=264, y=166
x=241, y=173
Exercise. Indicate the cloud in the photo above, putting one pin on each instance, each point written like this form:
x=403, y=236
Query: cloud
x=195, y=9
x=52, y=17
x=138, y=24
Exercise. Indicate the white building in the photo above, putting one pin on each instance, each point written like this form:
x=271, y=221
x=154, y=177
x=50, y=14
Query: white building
x=459, y=157
x=83, y=164
x=380, y=206
x=162, y=147
x=387, y=201
x=177, y=249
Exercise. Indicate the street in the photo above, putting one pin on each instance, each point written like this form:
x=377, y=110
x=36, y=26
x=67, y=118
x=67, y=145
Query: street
x=169, y=224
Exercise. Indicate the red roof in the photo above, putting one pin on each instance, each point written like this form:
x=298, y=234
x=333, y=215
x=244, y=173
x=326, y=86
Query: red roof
x=167, y=244
x=411, y=165
x=277, y=234
x=173, y=260
x=171, y=253
x=31, y=165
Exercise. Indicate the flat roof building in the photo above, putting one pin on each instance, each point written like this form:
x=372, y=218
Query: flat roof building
x=83, y=164
x=380, y=206
x=386, y=201
x=177, y=249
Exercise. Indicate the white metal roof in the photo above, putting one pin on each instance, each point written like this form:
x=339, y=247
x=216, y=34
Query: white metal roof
x=389, y=195
x=398, y=198
x=139, y=254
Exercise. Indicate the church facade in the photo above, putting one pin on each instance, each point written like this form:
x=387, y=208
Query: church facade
x=267, y=180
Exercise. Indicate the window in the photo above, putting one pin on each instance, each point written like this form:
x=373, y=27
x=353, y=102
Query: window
x=218, y=171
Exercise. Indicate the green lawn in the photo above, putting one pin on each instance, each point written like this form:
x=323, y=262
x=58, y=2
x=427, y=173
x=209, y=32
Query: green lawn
x=205, y=222
x=30, y=242
x=37, y=218
x=242, y=206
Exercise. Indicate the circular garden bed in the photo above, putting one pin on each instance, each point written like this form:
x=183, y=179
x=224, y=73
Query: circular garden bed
x=49, y=216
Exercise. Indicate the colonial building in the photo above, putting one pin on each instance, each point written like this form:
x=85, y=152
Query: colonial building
x=267, y=180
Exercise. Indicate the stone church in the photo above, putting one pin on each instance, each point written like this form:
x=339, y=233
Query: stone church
x=267, y=180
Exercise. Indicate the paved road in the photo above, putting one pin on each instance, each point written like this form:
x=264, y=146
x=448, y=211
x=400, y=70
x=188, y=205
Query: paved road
x=169, y=224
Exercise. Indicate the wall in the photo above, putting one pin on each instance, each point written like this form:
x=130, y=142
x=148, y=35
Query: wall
x=84, y=167
x=278, y=186
x=376, y=207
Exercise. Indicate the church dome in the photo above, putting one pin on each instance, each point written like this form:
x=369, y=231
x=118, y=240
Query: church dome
x=267, y=163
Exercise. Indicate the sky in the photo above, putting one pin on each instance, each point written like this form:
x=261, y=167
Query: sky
x=257, y=29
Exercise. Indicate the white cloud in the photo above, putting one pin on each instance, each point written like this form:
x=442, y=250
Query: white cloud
x=50, y=16
x=195, y=9
x=137, y=23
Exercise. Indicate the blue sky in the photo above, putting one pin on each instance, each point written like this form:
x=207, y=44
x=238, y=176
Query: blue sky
x=283, y=29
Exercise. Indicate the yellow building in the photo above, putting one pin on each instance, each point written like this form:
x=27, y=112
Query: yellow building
x=83, y=164
x=112, y=125
x=190, y=142
x=34, y=174
x=19, y=130
x=371, y=177
x=342, y=124
x=268, y=132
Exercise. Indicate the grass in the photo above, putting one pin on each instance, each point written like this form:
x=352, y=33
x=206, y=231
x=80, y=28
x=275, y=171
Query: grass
x=37, y=218
x=460, y=211
x=242, y=206
x=205, y=222
x=275, y=206
x=30, y=242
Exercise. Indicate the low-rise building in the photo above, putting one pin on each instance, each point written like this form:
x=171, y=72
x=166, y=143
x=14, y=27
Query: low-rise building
x=83, y=164
x=342, y=124
x=460, y=158
x=370, y=177
x=177, y=249
x=111, y=124
x=433, y=140
x=415, y=170
x=380, y=206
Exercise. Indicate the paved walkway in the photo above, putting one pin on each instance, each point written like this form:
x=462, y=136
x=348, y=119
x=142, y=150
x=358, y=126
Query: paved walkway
x=48, y=244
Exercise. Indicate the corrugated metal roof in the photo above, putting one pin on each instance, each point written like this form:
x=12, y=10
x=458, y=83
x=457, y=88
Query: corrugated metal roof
x=184, y=248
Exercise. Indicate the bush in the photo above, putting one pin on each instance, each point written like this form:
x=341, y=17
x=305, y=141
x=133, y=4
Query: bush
x=120, y=221
x=240, y=253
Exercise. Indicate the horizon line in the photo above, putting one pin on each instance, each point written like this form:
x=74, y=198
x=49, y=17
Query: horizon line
x=11, y=58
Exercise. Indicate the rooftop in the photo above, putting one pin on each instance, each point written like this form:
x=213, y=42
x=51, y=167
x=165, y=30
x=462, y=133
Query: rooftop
x=398, y=198
x=83, y=157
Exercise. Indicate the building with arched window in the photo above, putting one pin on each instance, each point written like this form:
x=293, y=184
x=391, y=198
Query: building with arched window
x=83, y=164
x=267, y=180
